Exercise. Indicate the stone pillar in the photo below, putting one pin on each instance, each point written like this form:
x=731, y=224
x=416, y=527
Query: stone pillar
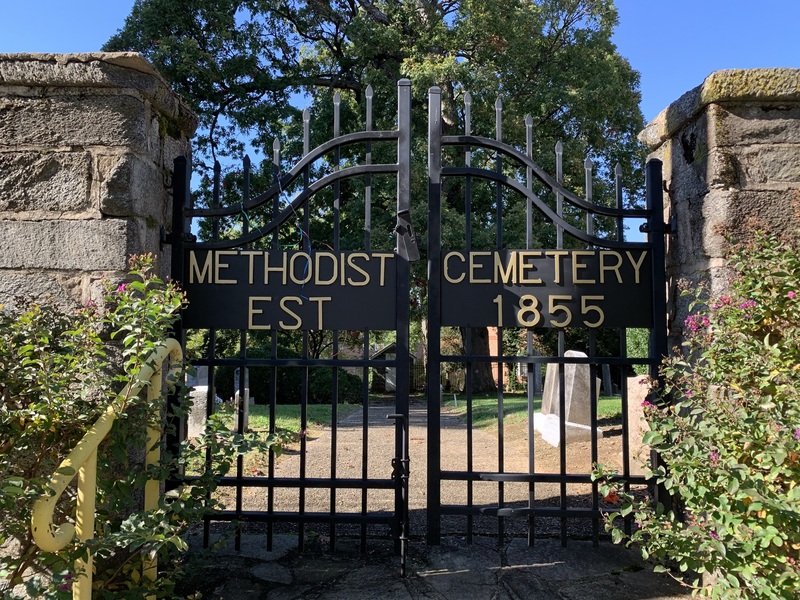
x=87, y=143
x=731, y=153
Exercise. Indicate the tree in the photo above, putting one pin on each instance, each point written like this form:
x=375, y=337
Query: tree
x=247, y=65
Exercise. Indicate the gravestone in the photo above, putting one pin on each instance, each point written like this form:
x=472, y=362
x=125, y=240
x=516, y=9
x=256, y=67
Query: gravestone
x=198, y=383
x=577, y=405
x=246, y=402
x=637, y=425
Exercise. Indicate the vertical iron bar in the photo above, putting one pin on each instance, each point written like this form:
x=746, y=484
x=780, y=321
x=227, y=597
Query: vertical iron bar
x=623, y=352
x=618, y=193
x=305, y=239
x=529, y=367
x=337, y=155
x=562, y=433
x=470, y=442
x=559, y=197
x=215, y=200
x=498, y=107
x=211, y=396
x=403, y=372
x=468, y=178
x=245, y=194
x=239, y=408
x=658, y=337
x=368, y=178
x=305, y=371
x=468, y=330
x=366, y=349
x=498, y=120
x=593, y=392
x=434, y=315
x=587, y=166
x=181, y=200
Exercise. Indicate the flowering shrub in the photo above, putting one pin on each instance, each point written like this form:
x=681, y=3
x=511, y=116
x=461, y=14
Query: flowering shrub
x=58, y=373
x=726, y=422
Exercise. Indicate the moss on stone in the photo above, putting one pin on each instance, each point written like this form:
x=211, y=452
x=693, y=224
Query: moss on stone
x=778, y=85
x=750, y=84
x=170, y=126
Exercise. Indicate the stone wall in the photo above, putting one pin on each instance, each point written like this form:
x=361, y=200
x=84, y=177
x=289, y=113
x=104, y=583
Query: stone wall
x=731, y=154
x=87, y=143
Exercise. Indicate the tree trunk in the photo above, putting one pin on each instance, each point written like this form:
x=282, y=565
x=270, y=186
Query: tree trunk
x=478, y=345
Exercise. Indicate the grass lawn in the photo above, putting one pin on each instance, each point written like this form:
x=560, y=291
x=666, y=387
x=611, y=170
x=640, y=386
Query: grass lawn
x=287, y=417
x=515, y=408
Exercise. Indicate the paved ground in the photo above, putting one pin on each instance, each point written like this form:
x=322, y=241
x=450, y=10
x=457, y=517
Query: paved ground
x=452, y=571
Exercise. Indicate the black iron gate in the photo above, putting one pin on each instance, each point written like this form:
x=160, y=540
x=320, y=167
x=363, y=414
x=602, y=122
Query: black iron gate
x=275, y=270
x=281, y=268
x=584, y=288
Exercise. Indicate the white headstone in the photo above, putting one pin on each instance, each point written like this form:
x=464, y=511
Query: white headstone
x=245, y=402
x=577, y=404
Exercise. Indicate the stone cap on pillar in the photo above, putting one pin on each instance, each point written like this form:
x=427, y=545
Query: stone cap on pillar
x=128, y=70
x=775, y=85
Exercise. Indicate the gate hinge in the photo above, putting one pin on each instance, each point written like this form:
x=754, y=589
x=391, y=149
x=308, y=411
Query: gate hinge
x=407, y=244
x=668, y=228
x=167, y=239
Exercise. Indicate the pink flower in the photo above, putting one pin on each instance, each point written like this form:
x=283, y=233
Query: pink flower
x=713, y=456
x=791, y=295
x=648, y=404
x=796, y=434
x=688, y=393
x=122, y=287
x=714, y=535
x=723, y=301
x=695, y=323
x=747, y=304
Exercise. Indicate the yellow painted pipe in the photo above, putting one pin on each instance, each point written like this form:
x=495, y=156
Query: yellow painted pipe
x=83, y=462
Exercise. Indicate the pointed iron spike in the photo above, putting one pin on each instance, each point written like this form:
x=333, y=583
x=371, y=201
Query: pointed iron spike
x=337, y=98
x=467, y=98
x=528, y=120
x=369, y=91
x=306, y=115
x=618, y=170
x=217, y=167
x=246, y=161
x=559, y=147
x=498, y=104
x=588, y=164
x=276, y=152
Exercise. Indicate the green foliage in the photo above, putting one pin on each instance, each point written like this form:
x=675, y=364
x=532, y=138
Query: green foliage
x=320, y=386
x=239, y=62
x=58, y=373
x=727, y=426
x=289, y=381
x=638, y=341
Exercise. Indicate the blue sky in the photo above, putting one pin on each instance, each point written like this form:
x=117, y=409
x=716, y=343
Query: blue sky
x=673, y=48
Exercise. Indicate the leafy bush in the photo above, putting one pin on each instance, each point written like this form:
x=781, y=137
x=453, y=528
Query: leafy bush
x=320, y=386
x=289, y=379
x=638, y=341
x=726, y=422
x=58, y=373
x=289, y=386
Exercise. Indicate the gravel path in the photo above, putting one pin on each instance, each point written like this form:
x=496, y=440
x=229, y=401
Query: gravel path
x=380, y=443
